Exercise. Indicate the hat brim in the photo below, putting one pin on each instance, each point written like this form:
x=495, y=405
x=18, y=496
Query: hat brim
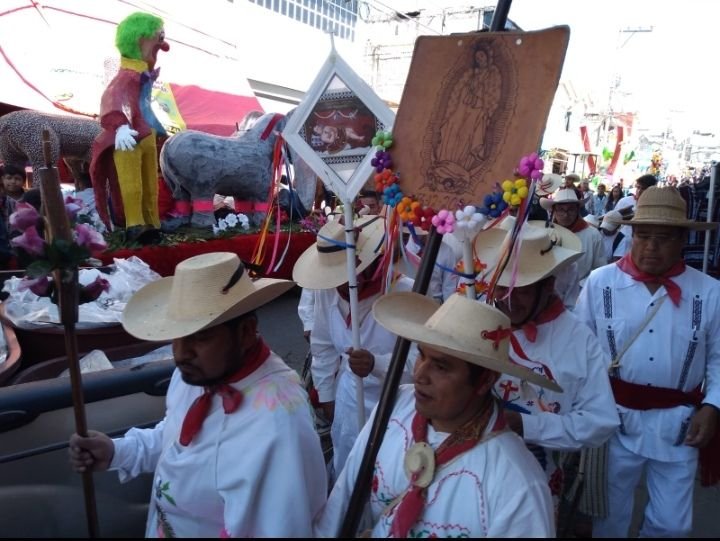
x=685, y=224
x=311, y=272
x=569, y=239
x=146, y=315
x=549, y=186
x=488, y=245
x=405, y=314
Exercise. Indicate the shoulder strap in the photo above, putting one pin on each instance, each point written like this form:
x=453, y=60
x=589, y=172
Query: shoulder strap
x=616, y=241
x=616, y=361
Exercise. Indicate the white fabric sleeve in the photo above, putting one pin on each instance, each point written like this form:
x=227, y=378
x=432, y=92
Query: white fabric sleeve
x=593, y=416
x=712, y=363
x=137, y=452
x=306, y=308
x=326, y=359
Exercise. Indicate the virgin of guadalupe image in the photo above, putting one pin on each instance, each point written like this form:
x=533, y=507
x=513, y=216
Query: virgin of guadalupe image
x=471, y=125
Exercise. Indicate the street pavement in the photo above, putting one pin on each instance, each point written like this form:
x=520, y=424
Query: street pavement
x=282, y=330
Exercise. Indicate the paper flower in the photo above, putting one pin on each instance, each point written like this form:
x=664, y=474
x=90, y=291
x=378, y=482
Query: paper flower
x=89, y=238
x=385, y=179
x=444, y=222
x=514, y=191
x=423, y=217
x=392, y=195
x=468, y=221
x=493, y=205
x=25, y=216
x=30, y=241
x=382, y=139
x=406, y=209
x=381, y=161
x=531, y=167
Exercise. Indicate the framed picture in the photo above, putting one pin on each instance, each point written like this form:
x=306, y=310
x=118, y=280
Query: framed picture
x=332, y=129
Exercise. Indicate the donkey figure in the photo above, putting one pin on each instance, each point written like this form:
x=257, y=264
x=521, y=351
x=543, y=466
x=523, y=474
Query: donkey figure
x=71, y=138
x=198, y=165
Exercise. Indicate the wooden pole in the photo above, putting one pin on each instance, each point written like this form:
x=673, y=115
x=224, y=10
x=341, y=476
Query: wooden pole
x=57, y=226
x=361, y=491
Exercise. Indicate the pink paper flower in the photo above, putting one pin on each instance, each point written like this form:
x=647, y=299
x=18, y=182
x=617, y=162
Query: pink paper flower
x=73, y=205
x=94, y=289
x=25, y=216
x=30, y=241
x=39, y=286
x=89, y=237
x=444, y=222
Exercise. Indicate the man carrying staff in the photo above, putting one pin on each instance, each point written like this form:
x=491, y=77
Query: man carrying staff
x=659, y=322
x=238, y=432
x=448, y=466
x=550, y=340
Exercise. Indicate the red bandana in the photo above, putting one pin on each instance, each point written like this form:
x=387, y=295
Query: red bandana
x=370, y=288
x=627, y=265
x=554, y=308
x=231, y=397
x=463, y=439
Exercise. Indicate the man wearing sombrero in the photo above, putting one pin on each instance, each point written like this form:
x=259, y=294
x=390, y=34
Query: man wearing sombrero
x=335, y=364
x=551, y=341
x=237, y=431
x=659, y=322
x=447, y=466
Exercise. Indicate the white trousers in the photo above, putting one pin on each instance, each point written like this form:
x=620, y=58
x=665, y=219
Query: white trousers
x=670, y=495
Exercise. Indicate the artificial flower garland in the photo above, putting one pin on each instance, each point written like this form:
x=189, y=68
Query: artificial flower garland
x=511, y=194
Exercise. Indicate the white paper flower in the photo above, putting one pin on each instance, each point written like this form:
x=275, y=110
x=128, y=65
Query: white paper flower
x=231, y=220
x=468, y=222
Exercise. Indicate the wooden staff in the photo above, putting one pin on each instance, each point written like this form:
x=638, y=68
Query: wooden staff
x=57, y=226
x=397, y=362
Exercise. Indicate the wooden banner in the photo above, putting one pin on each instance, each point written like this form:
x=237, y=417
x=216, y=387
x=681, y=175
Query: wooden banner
x=473, y=105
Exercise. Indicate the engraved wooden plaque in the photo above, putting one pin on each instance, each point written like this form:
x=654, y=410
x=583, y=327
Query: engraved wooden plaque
x=472, y=106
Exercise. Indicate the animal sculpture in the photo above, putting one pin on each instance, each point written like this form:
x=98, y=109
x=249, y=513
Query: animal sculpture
x=198, y=165
x=71, y=138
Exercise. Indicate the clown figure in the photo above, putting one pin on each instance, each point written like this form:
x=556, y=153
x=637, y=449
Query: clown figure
x=125, y=152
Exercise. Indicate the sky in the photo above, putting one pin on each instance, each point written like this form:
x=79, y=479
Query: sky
x=664, y=73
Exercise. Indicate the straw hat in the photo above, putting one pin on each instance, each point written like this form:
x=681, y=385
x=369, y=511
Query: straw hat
x=548, y=184
x=193, y=299
x=592, y=220
x=563, y=195
x=542, y=251
x=324, y=264
x=561, y=235
x=611, y=220
x=457, y=328
x=662, y=206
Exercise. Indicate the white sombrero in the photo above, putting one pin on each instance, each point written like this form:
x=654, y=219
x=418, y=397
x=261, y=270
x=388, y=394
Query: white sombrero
x=548, y=184
x=458, y=328
x=193, y=299
x=542, y=251
x=324, y=264
x=563, y=195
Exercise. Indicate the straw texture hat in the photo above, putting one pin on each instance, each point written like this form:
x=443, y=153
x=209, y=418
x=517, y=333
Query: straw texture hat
x=662, y=206
x=457, y=328
x=324, y=264
x=193, y=298
x=542, y=251
x=548, y=184
x=563, y=195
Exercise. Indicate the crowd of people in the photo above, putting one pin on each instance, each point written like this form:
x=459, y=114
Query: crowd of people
x=577, y=351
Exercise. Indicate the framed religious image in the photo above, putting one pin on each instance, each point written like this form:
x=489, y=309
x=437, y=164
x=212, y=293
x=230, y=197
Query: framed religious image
x=332, y=129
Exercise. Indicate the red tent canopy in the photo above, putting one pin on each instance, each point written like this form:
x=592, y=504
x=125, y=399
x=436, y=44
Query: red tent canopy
x=57, y=56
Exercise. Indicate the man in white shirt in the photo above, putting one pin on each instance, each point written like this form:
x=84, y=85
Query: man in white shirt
x=659, y=322
x=237, y=425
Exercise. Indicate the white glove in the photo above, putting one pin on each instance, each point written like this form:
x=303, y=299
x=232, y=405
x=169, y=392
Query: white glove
x=124, y=139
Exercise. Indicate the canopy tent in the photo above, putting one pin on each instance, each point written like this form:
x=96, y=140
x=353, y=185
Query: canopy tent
x=57, y=56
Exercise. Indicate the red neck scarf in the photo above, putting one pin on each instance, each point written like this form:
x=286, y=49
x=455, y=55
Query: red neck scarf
x=579, y=225
x=370, y=288
x=231, y=397
x=627, y=265
x=553, y=309
x=463, y=439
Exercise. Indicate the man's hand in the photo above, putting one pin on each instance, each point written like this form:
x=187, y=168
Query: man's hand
x=93, y=453
x=514, y=421
x=702, y=426
x=124, y=138
x=361, y=361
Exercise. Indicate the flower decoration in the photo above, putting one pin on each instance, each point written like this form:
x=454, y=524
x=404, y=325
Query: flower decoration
x=384, y=179
x=422, y=217
x=381, y=161
x=313, y=222
x=444, y=222
x=514, y=191
x=468, y=222
x=406, y=209
x=40, y=257
x=382, y=139
x=481, y=286
x=493, y=205
x=392, y=195
x=531, y=167
x=232, y=223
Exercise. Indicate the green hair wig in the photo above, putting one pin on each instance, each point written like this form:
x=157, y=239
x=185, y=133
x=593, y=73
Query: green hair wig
x=131, y=29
